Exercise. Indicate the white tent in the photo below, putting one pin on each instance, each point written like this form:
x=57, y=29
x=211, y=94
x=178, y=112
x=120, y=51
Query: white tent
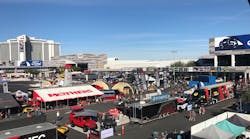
x=212, y=132
x=189, y=91
x=20, y=93
x=65, y=93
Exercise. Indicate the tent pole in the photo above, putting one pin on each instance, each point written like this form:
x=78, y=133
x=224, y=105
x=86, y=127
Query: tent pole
x=41, y=105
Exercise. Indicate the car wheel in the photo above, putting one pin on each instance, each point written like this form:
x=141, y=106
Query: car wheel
x=85, y=129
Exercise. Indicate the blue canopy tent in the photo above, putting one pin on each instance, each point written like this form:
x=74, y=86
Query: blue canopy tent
x=230, y=127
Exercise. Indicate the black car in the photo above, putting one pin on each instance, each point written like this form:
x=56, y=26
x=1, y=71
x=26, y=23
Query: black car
x=228, y=44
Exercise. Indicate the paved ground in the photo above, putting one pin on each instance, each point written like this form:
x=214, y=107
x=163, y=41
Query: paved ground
x=178, y=121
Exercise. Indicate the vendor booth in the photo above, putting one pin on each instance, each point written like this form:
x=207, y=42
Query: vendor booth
x=213, y=132
x=65, y=96
x=234, y=124
x=123, y=87
x=8, y=105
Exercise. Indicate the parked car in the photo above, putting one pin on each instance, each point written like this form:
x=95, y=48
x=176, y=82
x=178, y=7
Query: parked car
x=62, y=132
x=83, y=118
x=28, y=109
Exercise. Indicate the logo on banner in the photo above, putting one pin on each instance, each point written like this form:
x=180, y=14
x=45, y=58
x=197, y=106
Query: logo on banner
x=38, y=137
x=248, y=43
x=21, y=45
x=69, y=93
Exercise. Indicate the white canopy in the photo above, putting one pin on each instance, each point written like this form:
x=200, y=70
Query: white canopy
x=64, y=93
x=190, y=91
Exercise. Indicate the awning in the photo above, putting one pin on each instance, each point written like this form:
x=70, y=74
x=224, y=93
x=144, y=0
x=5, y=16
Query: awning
x=65, y=93
x=230, y=127
x=213, y=132
x=189, y=91
x=87, y=113
x=7, y=101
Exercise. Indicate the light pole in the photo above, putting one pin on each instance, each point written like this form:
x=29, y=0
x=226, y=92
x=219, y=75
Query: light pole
x=174, y=52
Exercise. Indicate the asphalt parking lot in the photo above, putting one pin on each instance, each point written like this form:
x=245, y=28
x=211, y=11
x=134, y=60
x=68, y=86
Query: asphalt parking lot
x=177, y=121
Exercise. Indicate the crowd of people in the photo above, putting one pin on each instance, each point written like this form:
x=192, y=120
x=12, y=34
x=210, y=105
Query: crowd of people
x=173, y=135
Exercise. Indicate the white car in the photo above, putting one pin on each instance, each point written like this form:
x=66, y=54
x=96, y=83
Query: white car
x=181, y=107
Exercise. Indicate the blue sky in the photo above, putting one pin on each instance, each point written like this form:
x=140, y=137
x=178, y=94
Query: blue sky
x=128, y=29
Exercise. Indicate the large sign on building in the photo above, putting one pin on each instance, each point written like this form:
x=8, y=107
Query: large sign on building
x=232, y=43
x=21, y=43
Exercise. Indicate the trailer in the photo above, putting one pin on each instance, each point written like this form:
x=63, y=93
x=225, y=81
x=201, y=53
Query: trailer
x=37, y=131
x=212, y=94
x=144, y=111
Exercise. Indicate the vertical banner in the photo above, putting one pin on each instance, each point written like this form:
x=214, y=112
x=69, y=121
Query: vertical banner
x=137, y=81
x=157, y=79
x=144, y=83
x=165, y=85
x=21, y=43
x=67, y=78
x=5, y=87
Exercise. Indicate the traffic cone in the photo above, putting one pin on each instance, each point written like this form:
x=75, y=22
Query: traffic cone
x=88, y=136
x=123, y=131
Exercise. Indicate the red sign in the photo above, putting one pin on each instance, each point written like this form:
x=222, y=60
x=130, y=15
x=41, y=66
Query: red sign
x=67, y=66
x=69, y=93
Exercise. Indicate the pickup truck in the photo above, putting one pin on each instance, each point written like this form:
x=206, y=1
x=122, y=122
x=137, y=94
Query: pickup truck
x=85, y=119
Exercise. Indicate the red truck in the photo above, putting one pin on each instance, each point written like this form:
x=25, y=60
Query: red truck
x=83, y=118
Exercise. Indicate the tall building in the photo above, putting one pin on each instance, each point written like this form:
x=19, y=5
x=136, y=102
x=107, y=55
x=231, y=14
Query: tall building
x=25, y=48
x=84, y=61
x=233, y=51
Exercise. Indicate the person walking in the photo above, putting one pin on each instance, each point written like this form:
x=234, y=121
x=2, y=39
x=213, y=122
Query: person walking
x=190, y=116
x=203, y=110
x=200, y=110
x=1, y=115
x=193, y=116
x=57, y=115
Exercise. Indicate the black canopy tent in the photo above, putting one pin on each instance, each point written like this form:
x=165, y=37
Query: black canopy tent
x=239, y=121
x=7, y=102
x=86, y=112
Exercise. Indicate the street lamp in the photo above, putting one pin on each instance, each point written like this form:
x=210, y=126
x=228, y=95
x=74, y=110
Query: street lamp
x=174, y=52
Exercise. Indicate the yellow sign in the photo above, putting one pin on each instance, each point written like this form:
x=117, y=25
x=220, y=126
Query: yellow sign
x=216, y=93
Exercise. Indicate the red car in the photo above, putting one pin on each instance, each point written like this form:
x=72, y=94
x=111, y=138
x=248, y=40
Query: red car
x=83, y=118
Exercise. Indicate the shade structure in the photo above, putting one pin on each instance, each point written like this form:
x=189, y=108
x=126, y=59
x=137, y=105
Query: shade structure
x=239, y=121
x=121, y=86
x=189, y=91
x=7, y=101
x=65, y=93
x=101, y=84
x=230, y=127
x=212, y=132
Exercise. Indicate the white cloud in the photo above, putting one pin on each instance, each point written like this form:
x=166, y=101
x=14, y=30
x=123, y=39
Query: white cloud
x=169, y=43
x=215, y=20
x=141, y=35
x=54, y=2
